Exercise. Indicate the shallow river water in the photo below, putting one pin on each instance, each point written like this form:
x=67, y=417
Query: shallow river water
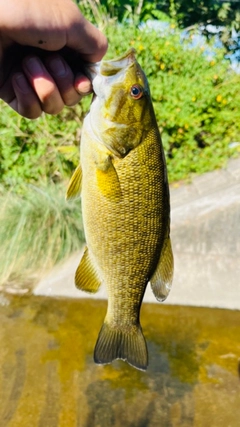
x=48, y=377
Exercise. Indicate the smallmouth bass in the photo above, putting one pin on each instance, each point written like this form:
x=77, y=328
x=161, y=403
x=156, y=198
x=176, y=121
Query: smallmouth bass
x=123, y=182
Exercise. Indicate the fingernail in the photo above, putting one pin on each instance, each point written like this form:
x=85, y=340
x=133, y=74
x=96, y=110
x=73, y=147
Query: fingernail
x=57, y=66
x=21, y=83
x=34, y=66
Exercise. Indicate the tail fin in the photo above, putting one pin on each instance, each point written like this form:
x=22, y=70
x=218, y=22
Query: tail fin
x=128, y=345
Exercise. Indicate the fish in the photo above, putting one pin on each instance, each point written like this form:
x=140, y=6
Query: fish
x=122, y=179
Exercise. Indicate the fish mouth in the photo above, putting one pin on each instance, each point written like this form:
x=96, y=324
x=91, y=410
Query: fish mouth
x=114, y=66
x=108, y=68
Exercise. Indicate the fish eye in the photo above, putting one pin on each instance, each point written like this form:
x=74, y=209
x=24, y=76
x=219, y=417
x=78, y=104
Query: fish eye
x=136, y=91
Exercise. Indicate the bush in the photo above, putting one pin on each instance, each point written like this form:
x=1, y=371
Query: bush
x=41, y=151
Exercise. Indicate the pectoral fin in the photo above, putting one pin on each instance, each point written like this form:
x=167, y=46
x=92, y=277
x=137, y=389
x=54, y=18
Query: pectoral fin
x=107, y=179
x=86, y=277
x=161, y=280
x=74, y=187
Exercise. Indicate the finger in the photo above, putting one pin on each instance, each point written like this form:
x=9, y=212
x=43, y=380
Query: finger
x=64, y=79
x=43, y=85
x=25, y=101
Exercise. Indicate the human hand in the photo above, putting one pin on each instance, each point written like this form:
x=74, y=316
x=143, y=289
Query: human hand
x=39, y=40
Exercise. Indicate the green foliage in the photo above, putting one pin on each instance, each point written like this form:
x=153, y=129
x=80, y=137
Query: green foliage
x=134, y=11
x=185, y=12
x=43, y=150
x=190, y=14
x=37, y=230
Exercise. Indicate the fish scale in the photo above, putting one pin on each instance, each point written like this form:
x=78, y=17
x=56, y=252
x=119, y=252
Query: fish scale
x=125, y=208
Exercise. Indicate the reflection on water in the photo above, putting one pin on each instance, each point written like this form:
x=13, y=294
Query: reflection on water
x=48, y=377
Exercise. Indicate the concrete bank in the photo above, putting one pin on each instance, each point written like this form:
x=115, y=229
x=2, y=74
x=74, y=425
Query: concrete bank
x=205, y=234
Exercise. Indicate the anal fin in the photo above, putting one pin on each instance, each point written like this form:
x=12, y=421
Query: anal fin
x=86, y=277
x=161, y=280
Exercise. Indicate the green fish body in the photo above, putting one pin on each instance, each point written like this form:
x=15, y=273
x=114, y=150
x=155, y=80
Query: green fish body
x=125, y=207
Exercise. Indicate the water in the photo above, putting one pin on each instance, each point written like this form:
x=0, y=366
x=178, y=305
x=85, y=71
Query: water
x=48, y=377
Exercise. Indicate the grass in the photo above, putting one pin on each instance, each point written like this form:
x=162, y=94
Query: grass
x=37, y=230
